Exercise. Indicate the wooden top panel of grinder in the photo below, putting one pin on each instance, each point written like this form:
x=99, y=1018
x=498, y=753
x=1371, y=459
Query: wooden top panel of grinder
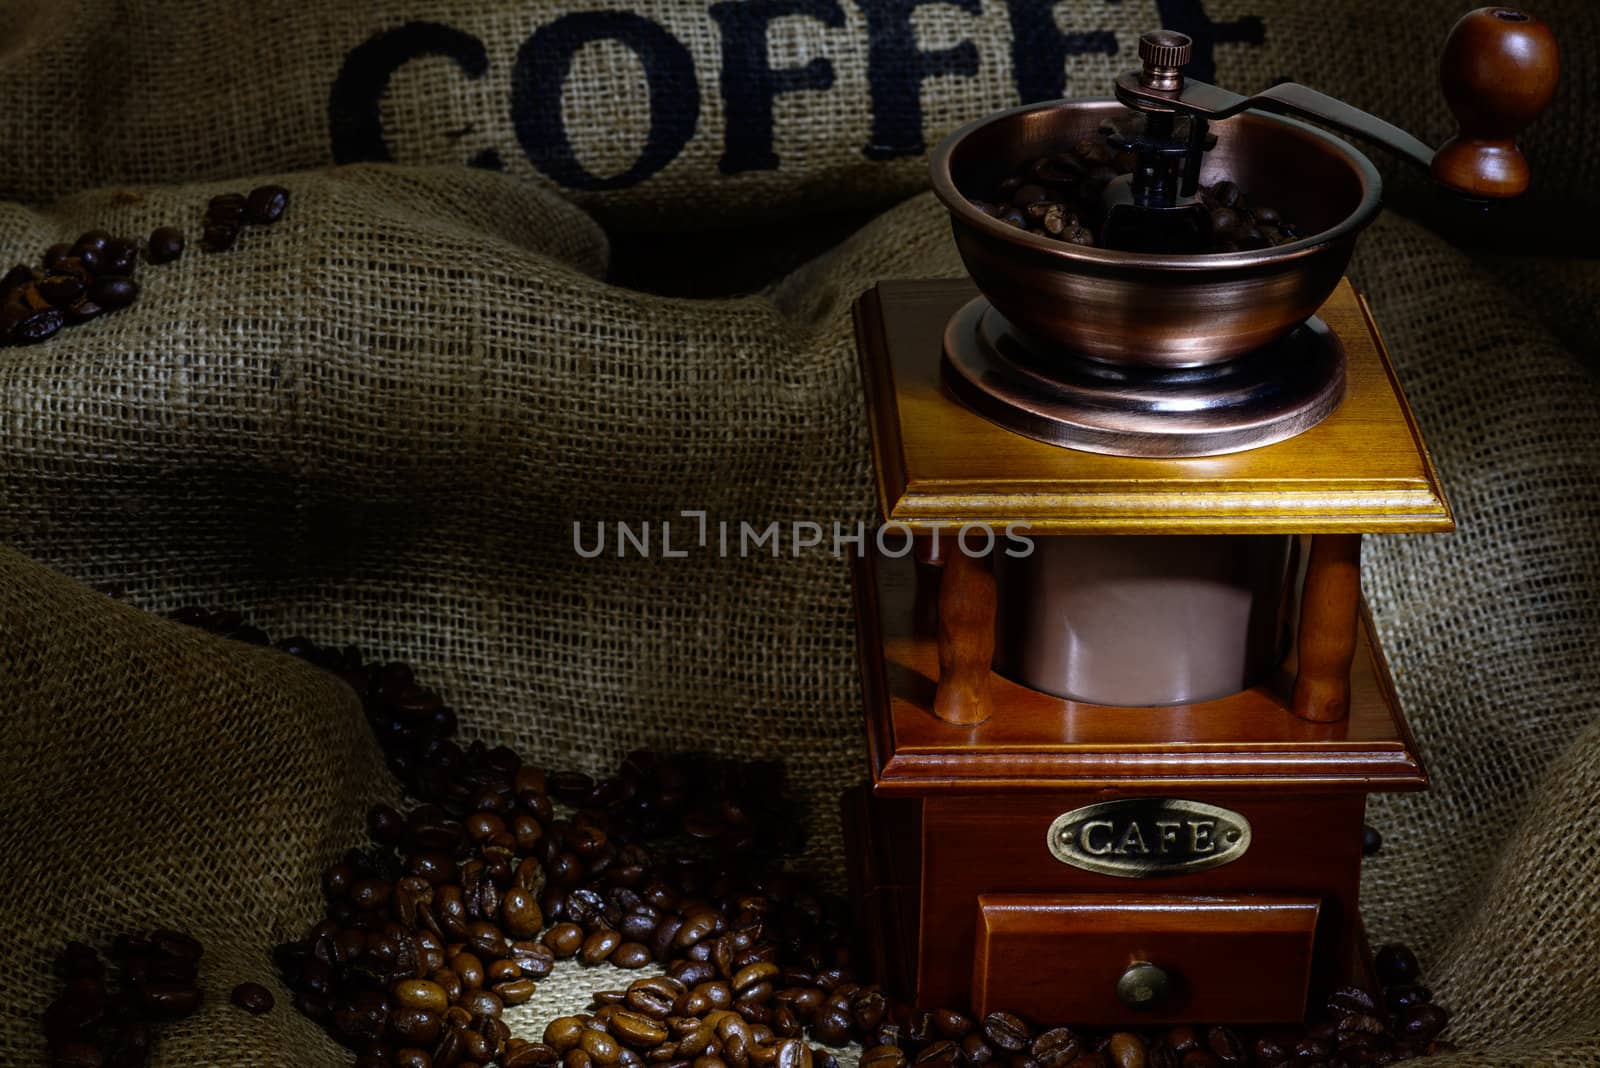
x=1362, y=469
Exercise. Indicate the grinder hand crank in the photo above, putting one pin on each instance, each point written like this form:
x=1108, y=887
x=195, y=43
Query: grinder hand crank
x=1498, y=72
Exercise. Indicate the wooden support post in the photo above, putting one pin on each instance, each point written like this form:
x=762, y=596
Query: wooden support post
x=1329, y=609
x=966, y=639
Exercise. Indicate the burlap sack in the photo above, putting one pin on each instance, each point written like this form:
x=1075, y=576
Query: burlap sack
x=675, y=113
x=157, y=776
x=377, y=421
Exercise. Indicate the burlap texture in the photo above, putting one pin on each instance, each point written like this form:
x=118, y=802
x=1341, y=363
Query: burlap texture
x=653, y=110
x=157, y=776
x=376, y=423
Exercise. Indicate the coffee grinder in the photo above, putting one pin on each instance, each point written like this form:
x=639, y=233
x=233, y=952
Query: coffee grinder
x=1120, y=756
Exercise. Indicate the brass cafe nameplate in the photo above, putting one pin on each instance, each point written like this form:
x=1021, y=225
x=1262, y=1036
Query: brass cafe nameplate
x=1140, y=837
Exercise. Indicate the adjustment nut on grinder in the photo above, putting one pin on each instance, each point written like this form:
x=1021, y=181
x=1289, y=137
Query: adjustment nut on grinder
x=1162, y=52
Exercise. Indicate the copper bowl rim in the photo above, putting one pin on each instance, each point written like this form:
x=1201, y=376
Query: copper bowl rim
x=964, y=210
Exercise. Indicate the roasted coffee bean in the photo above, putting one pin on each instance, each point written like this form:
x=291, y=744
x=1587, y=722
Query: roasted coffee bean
x=1396, y=964
x=883, y=1057
x=501, y=971
x=519, y=913
x=120, y=257
x=631, y=955
x=80, y=312
x=252, y=998
x=1126, y=1050
x=717, y=993
x=792, y=1053
x=1421, y=1022
x=515, y=991
x=940, y=1053
x=385, y=825
x=1406, y=995
x=469, y=969
x=1224, y=221
x=1055, y=1048
x=89, y=259
x=164, y=244
x=534, y=958
x=62, y=290
x=417, y=1027
x=696, y=926
x=112, y=292
x=529, y=1055
x=55, y=254
x=602, y=1049
x=1225, y=1043
x=169, y=1001
x=485, y=940
x=219, y=236
x=976, y=1051
x=421, y=994
x=653, y=997
x=482, y=1003
x=948, y=1023
x=266, y=203
x=564, y=940
x=368, y=895
x=832, y=1027
x=1029, y=193
x=1350, y=999
x=1005, y=1032
x=599, y=945
x=637, y=1029
x=225, y=208
x=36, y=326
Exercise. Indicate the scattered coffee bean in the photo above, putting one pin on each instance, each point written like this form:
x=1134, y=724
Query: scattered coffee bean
x=225, y=208
x=91, y=1024
x=164, y=245
x=219, y=236
x=1396, y=964
x=112, y=292
x=266, y=203
x=252, y=998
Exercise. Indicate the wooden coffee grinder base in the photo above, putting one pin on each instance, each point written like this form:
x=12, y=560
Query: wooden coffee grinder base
x=1102, y=866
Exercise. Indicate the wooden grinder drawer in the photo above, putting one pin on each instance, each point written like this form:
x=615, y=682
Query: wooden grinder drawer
x=1057, y=958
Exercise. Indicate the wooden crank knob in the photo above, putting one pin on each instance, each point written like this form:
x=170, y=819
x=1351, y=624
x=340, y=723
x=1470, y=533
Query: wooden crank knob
x=1498, y=72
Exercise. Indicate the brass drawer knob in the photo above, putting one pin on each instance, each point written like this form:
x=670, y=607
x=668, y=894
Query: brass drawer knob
x=1142, y=985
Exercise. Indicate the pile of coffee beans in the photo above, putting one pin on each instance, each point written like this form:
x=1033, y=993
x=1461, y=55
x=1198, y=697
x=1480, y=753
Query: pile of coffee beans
x=457, y=908
x=97, y=1022
x=93, y=275
x=1061, y=195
